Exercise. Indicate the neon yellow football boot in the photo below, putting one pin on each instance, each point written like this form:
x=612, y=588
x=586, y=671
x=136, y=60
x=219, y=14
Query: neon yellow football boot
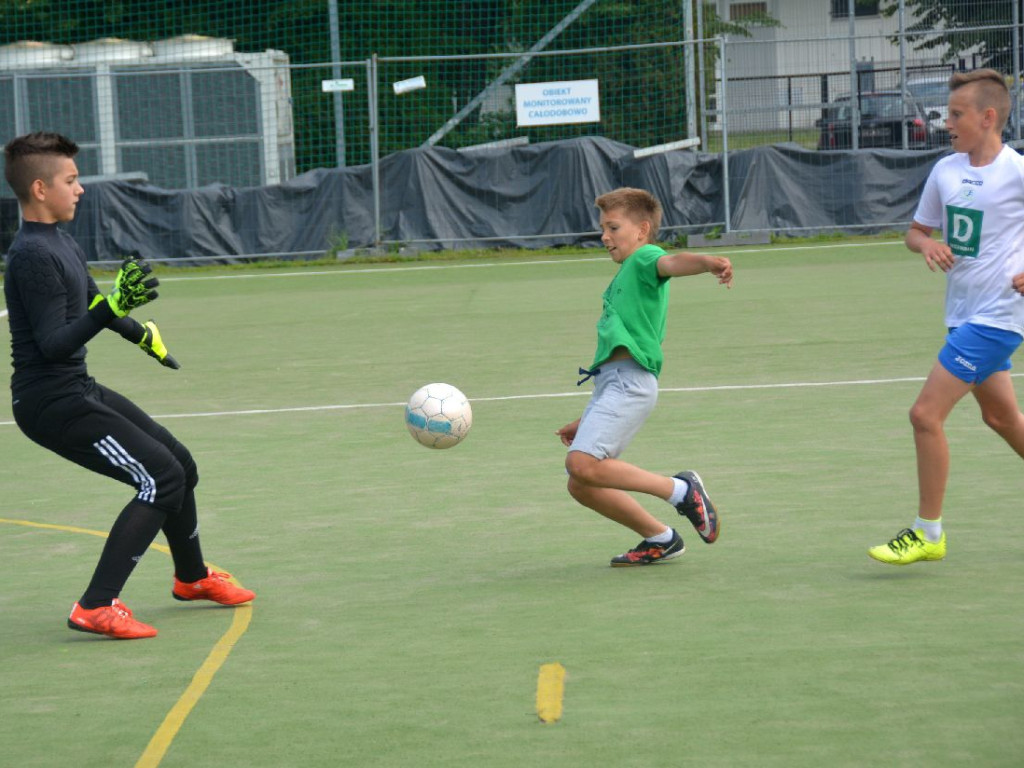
x=909, y=547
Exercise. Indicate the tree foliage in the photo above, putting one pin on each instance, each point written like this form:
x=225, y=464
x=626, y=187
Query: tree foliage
x=952, y=27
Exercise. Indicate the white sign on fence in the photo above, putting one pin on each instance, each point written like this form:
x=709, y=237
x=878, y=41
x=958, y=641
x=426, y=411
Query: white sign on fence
x=335, y=86
x=568, y=101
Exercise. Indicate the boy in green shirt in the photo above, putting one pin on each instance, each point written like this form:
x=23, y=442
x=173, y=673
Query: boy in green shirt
x=626, y=367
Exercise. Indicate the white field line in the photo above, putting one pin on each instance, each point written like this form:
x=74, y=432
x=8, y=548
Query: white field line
x=540, y=396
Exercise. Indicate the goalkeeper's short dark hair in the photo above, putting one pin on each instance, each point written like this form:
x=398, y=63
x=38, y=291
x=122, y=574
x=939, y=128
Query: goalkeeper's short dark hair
x=31, y=157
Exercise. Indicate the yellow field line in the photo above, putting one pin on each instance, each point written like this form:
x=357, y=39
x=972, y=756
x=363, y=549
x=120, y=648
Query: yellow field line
x=550, y=692
x=242, y=614
x=169, y=728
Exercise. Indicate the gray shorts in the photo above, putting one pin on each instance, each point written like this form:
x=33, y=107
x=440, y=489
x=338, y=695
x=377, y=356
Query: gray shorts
x=624, y=396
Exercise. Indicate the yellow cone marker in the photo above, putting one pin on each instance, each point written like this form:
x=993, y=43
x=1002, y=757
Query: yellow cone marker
x=550, y=690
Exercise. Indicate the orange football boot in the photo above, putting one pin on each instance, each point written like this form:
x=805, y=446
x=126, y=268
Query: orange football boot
x=216, y=586
x=114, y=620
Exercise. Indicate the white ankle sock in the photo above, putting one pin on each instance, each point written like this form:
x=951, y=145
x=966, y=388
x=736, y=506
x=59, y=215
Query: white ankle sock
x=679, y=491
x=932, y=529
x=662, y=538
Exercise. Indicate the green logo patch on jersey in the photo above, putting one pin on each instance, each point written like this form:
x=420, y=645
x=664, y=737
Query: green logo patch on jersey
x=963, y=231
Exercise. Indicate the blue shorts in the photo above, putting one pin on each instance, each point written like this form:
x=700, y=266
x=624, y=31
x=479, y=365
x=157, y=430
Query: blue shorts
x=624, y=396
x=974, y=352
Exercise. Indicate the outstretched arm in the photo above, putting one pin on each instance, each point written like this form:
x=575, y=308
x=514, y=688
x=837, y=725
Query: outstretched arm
x=684, y=263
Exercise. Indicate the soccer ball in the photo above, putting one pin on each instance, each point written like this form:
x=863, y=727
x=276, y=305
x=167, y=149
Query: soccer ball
x=438, y=416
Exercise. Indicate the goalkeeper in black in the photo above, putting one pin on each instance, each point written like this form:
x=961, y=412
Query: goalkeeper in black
x=54, y=308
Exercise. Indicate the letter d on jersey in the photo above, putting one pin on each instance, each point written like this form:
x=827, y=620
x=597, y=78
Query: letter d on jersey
x=963, y=228
x=963, y=231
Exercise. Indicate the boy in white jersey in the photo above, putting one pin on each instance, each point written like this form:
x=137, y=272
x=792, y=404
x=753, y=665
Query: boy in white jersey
x=976, y=198
x=625, y=369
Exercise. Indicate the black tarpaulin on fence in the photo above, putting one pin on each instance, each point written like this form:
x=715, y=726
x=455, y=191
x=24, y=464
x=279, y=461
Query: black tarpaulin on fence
x=784, y=188
x=531, y=196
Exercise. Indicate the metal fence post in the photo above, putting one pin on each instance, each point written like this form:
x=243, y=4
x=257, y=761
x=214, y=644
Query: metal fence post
x=723, y=110
x=701, y=100
x=339, y=113
x=1018, y=95
x=688, y=56
x=373, y=119
x=854, y=85
x=904, y=93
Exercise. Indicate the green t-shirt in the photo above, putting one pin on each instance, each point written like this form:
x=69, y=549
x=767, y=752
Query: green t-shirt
x=635, y=307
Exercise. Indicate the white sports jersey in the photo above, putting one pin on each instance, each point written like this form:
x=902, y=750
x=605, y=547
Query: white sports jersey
x=981, y=214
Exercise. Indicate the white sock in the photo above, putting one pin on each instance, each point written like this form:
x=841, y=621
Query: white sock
x=662, y=538
x=932, y=529
x=679, y=491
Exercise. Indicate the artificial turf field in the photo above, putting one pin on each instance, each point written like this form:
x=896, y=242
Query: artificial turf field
x=407, y=598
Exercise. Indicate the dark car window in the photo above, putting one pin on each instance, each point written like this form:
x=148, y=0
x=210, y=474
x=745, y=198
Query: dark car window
x=930, y=92
x=881, y=106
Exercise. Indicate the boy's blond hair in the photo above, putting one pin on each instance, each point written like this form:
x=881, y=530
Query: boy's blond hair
x=991, y=91
x=638, y=204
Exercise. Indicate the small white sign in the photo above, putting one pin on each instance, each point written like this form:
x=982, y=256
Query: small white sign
x=557, y=103
x=333, y=86
x=412, y=84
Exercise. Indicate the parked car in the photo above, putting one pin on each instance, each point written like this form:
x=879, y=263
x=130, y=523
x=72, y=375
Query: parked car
x=882, y=116
x=933, y=92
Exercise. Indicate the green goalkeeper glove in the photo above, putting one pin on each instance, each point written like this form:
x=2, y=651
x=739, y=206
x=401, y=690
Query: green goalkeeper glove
x=153, y=345
x=132, y=287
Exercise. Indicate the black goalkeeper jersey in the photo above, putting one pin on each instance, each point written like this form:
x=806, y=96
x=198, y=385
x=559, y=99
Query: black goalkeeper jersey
x=48, y=290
